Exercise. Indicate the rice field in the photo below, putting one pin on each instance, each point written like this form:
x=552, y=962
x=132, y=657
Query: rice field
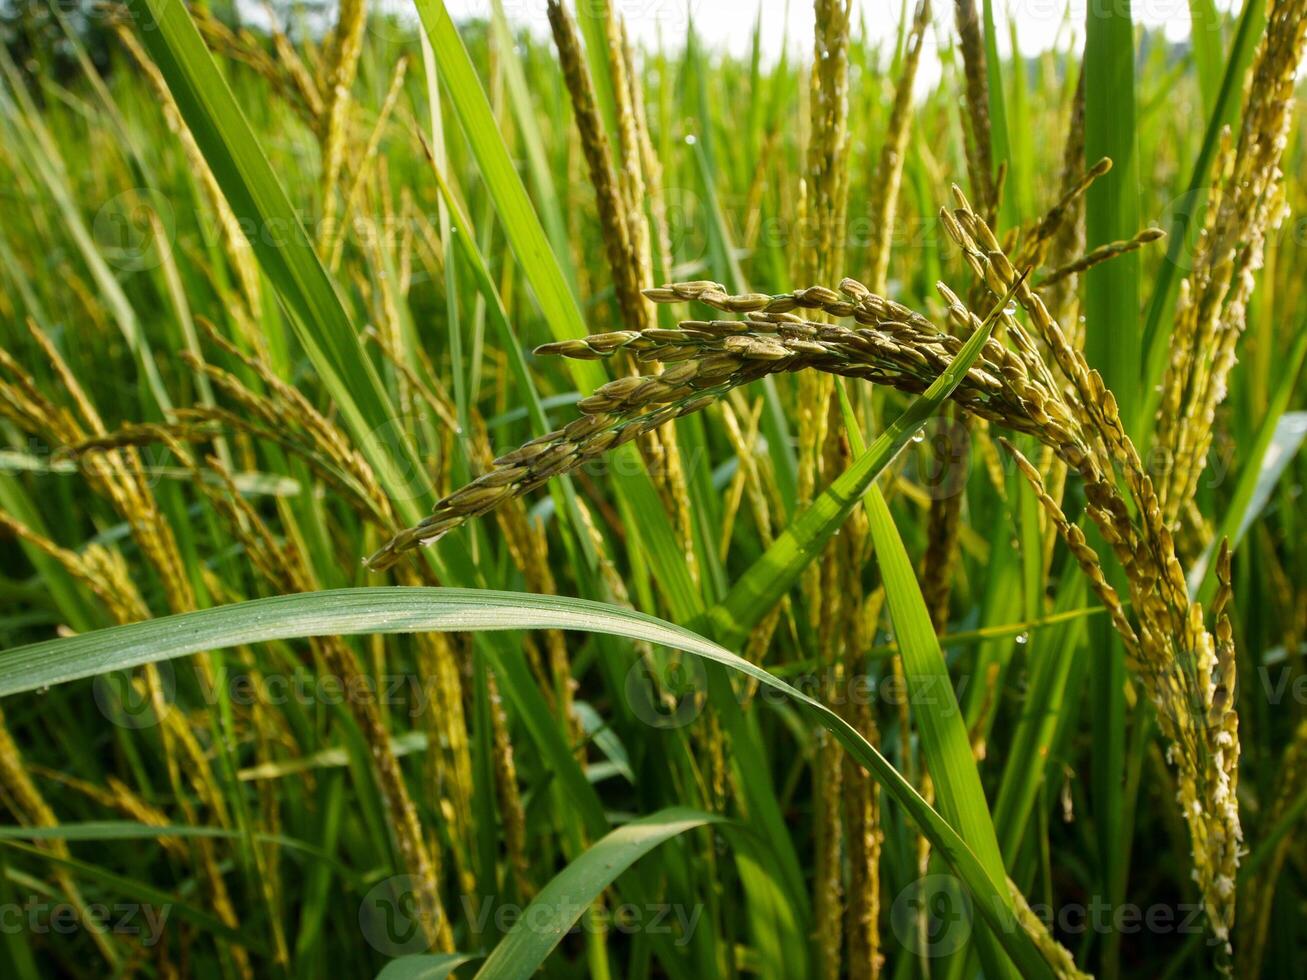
x=489, y=501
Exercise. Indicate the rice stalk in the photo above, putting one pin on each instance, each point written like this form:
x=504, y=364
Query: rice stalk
x=345, y=50
x=614, y=214
x=975, y=112
x=889, y=167
x=335, y=241
x=282, y=564
x=825, y=197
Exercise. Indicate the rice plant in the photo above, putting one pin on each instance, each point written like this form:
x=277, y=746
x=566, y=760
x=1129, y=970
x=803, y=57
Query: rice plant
x=478, y=501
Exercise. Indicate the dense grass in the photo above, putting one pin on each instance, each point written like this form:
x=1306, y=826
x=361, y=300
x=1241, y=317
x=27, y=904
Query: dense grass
x=793, y=685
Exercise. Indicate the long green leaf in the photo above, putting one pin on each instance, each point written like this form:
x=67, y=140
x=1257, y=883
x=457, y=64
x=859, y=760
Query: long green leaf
x=516, y=214
x=531, y=247
x=945, y=741
x=343, y=612
x=1113, y=345
x=528, y=122
x=1205, y=42
x=1112, y=331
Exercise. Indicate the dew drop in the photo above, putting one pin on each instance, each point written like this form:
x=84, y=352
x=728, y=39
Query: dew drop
x=918, y=436
x=1023, y=638
x=691, y=139
x=1011, y=308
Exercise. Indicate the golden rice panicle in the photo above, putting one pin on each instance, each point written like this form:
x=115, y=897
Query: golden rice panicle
x=823, y=193
x=905, y=350
x=615, y=414
x=1176, y=656
x=826, y=180
x=620, y=193
x=1211, y=312
x=631, y=165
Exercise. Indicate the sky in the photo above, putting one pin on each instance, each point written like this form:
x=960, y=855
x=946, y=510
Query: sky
x=728, y=24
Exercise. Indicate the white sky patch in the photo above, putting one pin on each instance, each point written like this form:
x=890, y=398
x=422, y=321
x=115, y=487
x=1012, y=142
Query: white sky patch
x=787, y=25
x=726, y=25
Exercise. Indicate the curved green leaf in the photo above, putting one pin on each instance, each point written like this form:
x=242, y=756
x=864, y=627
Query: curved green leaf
x=410, y=609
